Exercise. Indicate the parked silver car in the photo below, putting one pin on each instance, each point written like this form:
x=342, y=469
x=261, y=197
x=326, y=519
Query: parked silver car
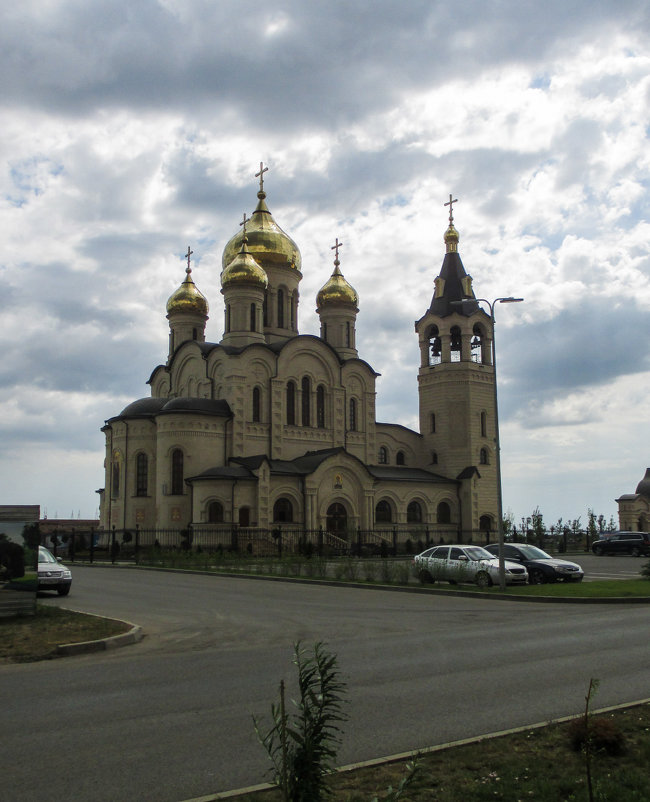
x=459, y=563
x=52, y=575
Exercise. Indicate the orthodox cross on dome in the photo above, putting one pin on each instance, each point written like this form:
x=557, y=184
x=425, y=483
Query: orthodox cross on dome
x=335, y=248
x=450, y=203
x=243, y=224
x=188, y=269
x=260, y=175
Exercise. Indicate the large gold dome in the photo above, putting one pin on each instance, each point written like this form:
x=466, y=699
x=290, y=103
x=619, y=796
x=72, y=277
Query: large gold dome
x=244, y=269
x=267, y=242
x=187, y=298
x=336, y=290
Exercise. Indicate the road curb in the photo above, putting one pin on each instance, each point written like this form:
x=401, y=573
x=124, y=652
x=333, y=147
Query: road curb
x=382, y=761
x=134, y=635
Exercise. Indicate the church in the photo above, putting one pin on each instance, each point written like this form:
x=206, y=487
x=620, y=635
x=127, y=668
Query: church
x=268, y=427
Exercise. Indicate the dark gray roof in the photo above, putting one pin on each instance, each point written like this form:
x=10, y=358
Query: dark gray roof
x=452, y=272
x=468, y=472
x=151, y=407
x=643, y=488
x=402, y=473
x=223, y=472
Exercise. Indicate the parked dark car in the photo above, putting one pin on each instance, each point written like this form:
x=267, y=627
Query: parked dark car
x=541, y=566
x=634, y=543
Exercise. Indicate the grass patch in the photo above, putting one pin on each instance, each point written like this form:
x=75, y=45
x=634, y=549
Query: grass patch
x=536, y=764
x=29, y=638
x=603, y=588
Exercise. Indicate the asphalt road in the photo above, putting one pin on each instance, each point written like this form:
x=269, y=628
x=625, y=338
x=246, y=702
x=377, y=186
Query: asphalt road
x=170, y=718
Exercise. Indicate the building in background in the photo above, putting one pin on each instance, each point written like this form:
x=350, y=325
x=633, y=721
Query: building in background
x=634, y=508
x=269, y=427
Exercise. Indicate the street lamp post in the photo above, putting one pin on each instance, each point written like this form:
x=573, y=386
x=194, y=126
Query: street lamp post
x=509, y=300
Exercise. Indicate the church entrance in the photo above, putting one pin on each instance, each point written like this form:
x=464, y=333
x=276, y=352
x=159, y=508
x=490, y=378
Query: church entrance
x=337, y=519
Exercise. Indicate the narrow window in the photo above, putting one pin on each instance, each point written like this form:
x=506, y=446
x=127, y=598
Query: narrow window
x=432, y=423
x=306, y=401
x=383, y=513
x=177, y=472
x=434, y=457
x=141, y=475
x=292, y=308
x=265, y=310
x=227, y=318
x=256, y=404
x=483, y=457
x=291, y=403
x=252, y=319
x=383, y=456
x=399, y=459
x=484, y=424
x=195, y=334
x=280, y=309
x=325, y=331
x=215, y=513
x=320, y=406
x=115, y=480
x=348, y=339
x=443, y=513
x=414, y=513
x=352, y=423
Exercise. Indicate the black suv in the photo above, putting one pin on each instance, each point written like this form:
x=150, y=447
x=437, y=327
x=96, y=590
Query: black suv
x=541, y=566
x=634, y=543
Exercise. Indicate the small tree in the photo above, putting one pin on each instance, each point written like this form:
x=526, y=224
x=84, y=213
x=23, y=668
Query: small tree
x=303, y=746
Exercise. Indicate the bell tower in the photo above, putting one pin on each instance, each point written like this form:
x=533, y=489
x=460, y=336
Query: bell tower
x=456, y=391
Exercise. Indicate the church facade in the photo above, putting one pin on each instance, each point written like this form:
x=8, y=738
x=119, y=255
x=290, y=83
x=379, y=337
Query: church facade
x=268, y=427
x=634, y=508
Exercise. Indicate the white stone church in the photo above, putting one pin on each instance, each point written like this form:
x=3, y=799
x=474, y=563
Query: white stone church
x=268, y=427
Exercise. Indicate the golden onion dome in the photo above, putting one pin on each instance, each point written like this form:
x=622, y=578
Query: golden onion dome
x=451, y=239
x=243, y=268
x=187, y=297
x=336, y=290
x=267, y=242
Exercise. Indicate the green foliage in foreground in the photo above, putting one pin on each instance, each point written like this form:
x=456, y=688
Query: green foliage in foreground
x=303, y=746
x=539, y=764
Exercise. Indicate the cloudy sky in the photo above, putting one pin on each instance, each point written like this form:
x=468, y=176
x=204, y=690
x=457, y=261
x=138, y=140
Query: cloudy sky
x=132, y=128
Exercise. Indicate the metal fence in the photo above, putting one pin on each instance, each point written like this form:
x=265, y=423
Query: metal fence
x=125, y=544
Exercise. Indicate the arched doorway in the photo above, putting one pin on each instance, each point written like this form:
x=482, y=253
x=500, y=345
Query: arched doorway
x=337, y=518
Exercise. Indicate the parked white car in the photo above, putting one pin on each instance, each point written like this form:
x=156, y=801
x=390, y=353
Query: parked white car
x=459, y=563
x=52, y=575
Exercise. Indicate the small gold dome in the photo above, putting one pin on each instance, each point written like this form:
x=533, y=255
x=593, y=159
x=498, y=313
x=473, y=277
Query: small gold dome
x=336, y=290
x=187, y=297
x=267, y=242
x=451, y=238
x=243, y=268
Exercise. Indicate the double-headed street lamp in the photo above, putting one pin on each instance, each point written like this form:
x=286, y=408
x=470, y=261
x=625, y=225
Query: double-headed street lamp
x=509, y=300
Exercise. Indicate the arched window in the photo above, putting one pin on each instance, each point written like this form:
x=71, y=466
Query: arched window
x=383, y=513
x=414, y=513
x=256, y=405
x=141, y=475
x=383, y=456
x=215, y=512
x=485, y=523
x=280, y=309
x=177, y=472
x=432, y=423
x=352, y=420
x=484, y=457
x=291, y=403
x=283, y=511
x=434, y=457
x=306, y=401
x=227, y=318
x=325, y=331
x=443, y=513
x=456, y=340
x=435, y=346
x=292, y=307
x=484, y=424
x=400, y=459
x=320, y=406
x=265, y=309
x=253, y=322
x=195, y=334
x=348, y=338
